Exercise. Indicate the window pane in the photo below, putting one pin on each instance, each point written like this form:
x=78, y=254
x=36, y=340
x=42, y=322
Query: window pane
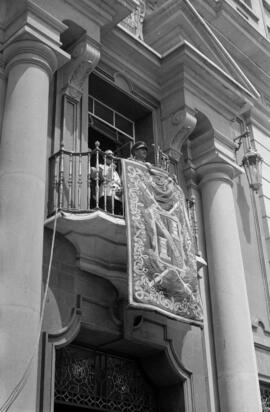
x=124, y=124
x=103, y=112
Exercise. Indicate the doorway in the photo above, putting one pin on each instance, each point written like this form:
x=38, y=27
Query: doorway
x=99, y=381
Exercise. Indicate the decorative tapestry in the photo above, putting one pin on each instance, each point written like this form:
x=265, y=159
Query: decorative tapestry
x=161, y=257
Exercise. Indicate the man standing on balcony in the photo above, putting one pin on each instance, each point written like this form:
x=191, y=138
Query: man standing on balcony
x=110, y=192
x=139, y=151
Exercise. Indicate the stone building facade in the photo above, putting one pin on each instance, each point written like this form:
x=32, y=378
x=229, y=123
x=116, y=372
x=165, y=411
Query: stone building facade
x=191, y=79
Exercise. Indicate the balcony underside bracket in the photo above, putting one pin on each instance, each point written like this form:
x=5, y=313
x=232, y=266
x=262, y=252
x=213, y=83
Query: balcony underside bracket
x=100, y=242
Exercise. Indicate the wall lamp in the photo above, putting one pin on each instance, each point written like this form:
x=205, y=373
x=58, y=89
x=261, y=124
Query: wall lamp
x=252, y=161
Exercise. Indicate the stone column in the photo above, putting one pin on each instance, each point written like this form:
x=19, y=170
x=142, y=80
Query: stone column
x=23, y=156
x=234, y=346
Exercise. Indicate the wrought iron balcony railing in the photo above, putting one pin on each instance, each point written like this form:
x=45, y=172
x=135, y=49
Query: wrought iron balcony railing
x=82, y=182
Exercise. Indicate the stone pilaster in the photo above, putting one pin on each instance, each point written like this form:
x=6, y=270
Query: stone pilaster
x=233, y=340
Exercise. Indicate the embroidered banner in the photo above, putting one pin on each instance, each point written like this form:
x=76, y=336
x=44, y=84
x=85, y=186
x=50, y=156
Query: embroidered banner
x=161, y=262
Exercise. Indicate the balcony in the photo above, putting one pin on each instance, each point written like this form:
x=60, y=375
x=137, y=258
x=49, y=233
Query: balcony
x=88, y=207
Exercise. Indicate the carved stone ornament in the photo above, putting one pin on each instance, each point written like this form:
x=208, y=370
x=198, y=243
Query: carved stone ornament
x=134, y=22
x=85, y=56
x=177, y=127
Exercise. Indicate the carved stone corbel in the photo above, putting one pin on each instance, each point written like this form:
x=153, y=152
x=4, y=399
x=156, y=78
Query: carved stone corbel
x=85, y=55
x=176, y=128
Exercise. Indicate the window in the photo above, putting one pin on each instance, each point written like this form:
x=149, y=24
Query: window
x=111, y=124
x=116, y=118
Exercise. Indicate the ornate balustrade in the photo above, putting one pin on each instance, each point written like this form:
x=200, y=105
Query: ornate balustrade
x=83, y=182
x=75, y=186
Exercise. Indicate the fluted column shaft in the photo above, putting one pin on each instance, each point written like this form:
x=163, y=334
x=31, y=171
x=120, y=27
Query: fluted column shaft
x=23, y=155
x=235, y=354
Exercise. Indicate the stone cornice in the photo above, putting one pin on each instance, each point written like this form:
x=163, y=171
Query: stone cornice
x=233, y=68
x=85, y=56
x=241, y=27
x=32, y=14
x=178, y=66
x=34, y=23
x=104, y=13
x=179, y=20
x=217, y=6
x=258, y=74
x=184, y=60
x=190, y=58
x=141, y=64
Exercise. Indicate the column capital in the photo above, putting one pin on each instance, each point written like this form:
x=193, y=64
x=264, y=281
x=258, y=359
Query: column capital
x=30, y=22
x=215, y=172
x=30, y=52
x=209, y=152
x=85, y=55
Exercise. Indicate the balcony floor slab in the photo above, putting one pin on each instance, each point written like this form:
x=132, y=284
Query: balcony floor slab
x=100, y=241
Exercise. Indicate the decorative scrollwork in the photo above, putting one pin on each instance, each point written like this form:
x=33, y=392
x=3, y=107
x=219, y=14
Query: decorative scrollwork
x=134, y=22
x=85, y=56
x=177, y=127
